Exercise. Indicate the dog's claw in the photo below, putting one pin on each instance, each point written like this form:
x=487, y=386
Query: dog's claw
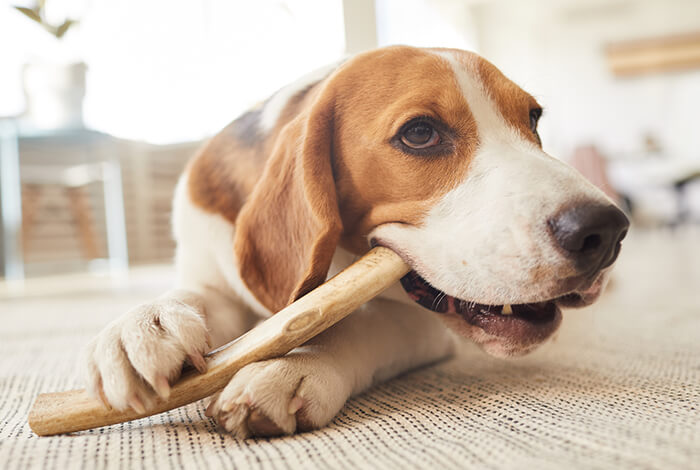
x=212, y=409
x=136, y=404
x=162, y=387
x=103, y=398
x=198, y=362
x=228, y=406
x=295, y=405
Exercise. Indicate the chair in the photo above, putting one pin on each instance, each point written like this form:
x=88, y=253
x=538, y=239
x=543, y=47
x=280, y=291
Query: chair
x=22, y=186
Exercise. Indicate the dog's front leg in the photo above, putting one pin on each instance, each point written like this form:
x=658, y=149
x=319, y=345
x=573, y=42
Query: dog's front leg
x=306, y=388
x=139, y=355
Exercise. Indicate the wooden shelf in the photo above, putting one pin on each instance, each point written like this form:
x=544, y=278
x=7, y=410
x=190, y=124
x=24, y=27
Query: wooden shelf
x=654, y=55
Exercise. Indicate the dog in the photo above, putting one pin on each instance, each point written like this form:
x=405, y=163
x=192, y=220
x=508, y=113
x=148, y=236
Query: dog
x=433, y=153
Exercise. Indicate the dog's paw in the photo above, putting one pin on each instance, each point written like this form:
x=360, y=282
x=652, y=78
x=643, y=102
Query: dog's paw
x=298, y=392
x=138, y=355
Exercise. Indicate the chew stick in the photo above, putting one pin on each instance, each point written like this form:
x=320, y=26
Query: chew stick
x=74, y=410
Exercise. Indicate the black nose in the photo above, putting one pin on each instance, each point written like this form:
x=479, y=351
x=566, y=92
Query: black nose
x=590, y=234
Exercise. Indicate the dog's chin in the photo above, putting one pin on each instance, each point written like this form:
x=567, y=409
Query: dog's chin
x=501, y=330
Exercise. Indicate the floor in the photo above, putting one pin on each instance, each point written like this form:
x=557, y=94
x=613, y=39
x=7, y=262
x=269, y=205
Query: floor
x=619, y=387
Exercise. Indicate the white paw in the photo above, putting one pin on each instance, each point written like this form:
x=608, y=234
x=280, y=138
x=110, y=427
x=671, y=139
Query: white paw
x=138, y=355
x=298, y=392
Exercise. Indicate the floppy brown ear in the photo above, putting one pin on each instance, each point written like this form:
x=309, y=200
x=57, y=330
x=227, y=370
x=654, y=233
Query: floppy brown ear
x=287, y=231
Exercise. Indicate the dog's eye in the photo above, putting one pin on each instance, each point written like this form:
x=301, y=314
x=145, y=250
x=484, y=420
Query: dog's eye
x=420, y=135
x=424, y=136
x=535, y=114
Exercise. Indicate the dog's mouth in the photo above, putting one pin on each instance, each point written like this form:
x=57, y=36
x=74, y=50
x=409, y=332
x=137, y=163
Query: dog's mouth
x=523, y=324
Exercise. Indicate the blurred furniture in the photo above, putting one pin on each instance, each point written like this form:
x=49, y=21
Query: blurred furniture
x=63, y=216
x=663, y=54
x=681, y=185
x=74, y=181
x=10, y=205
x=591, y=164
x=657, y=189
x=653, y=189
x=72, y=161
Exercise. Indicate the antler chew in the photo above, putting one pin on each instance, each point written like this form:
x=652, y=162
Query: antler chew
x=74, y=410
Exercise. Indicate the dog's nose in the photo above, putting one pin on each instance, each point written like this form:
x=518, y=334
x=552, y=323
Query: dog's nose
x=590, y=234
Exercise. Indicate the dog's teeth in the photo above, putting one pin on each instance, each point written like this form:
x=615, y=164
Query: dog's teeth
x=506, y=310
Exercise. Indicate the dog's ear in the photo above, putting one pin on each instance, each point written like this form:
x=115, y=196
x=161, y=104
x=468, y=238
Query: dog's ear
x=288, y=229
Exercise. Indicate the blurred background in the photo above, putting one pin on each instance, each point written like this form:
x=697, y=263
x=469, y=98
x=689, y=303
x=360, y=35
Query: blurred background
x=102, y=103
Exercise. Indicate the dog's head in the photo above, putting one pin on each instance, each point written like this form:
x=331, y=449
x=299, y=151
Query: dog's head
x=435, y=154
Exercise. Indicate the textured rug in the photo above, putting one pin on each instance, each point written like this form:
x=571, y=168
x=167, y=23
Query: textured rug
x=618, y=388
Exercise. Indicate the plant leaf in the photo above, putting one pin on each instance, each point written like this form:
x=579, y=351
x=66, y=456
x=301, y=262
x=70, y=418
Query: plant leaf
x=32, y=14
x=61, y=30
x=49, y=29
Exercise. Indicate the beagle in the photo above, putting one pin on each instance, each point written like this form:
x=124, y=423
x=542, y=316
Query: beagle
x=430, y=152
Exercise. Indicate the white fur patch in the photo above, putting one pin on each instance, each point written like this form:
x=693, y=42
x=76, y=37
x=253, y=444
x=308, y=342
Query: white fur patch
x=275, y=105
x=204, y=254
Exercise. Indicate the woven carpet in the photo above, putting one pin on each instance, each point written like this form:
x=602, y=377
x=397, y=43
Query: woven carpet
x=618, y=388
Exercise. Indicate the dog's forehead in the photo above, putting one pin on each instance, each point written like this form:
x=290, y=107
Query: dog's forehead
x=454, y=85
x=499, y=105
x=387, y=82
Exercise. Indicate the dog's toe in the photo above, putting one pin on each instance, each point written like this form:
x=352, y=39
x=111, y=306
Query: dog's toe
x=235, y=420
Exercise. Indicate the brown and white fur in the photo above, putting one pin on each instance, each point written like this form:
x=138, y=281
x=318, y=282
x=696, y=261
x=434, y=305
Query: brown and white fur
x=296, y=189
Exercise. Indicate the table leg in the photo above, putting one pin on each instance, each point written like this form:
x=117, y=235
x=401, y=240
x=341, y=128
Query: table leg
x=11, y=202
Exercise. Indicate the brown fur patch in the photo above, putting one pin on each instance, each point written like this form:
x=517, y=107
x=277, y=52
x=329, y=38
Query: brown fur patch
x=224, y=173
x=226, y=170
x=377, y=183
x=513, y=102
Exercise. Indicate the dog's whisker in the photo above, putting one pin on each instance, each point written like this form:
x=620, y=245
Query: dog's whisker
x=437, y=299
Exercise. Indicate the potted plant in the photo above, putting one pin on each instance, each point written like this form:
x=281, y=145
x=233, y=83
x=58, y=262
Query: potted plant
x=54, y=82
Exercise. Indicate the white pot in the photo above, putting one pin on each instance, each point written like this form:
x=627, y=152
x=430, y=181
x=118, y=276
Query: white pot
x=54, y=94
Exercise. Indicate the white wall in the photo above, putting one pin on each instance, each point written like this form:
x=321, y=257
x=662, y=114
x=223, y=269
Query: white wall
x=554, y=49
x=426, y=23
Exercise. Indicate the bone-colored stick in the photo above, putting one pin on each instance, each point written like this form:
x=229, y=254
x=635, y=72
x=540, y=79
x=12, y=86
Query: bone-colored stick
x=74, y=410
